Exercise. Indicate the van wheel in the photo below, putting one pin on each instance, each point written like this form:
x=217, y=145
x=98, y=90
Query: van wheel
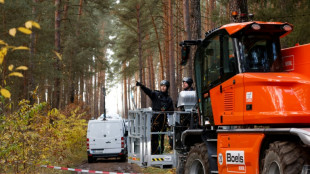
x=91, y=159
x=197, y=160
x=123, y=158
x=283, y=157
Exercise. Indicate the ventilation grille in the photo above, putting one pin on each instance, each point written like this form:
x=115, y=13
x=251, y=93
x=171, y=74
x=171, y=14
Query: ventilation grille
x=228, y=101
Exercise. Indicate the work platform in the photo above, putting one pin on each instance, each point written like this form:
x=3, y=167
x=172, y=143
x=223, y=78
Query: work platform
x=139, y=138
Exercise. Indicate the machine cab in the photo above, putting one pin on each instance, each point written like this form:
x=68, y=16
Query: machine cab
x=229, y=51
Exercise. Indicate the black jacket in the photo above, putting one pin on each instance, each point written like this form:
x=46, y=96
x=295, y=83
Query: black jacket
x=161, y=101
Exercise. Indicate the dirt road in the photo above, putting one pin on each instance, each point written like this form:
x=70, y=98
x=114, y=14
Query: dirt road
x=111, y=165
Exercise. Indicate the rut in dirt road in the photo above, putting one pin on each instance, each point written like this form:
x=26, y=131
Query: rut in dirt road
x=109, y=165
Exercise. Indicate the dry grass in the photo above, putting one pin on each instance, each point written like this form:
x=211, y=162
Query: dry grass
x=158, y=170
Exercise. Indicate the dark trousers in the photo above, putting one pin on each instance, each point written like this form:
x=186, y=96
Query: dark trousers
x=158, y=125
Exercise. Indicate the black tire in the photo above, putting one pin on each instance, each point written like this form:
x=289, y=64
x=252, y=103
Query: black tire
x=123, y=158
x=180, y=165
x=283, y=157
x=180, y=169
x=90, y=159
x=197, y=160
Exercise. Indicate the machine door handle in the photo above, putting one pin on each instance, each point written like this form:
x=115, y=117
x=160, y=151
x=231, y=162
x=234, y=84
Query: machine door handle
x=108, y=142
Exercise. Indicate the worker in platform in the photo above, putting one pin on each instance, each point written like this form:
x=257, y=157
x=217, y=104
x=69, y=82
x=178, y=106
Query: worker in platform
x=161, y=101
x=187, y=83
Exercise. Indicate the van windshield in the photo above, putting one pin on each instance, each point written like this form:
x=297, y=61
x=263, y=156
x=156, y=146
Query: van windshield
x=105, y=130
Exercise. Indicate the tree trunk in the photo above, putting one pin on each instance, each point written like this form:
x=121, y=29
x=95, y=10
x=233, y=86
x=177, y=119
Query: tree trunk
x=82, y=84
x=166, y=31
x=128, y=96
x=80, y=9
x=148, y=75
x=50, y=91
x=96, y=96
x=136, y=92
x=102, y=96
x=239, y=6
x=233, y=6
x=71, y=82
x=171, y=53
x=196, y=32
x=243, y=5
x=61, y=95
x=143, y=77
x=56, y=93
x=152, y=79
x=207, y=16
x=227, y=11
x=212, y=7
x=101, y=77
x=143, y=96
x=125, y=92
x=90, y=92
x=187, y=24
x=87, y=91
x=178, y=52
x=188, y=32
x=72, y=88
x=148, y=79
x=161, y=63
x=31, y=83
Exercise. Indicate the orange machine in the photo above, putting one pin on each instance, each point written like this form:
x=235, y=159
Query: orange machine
x=256, y=98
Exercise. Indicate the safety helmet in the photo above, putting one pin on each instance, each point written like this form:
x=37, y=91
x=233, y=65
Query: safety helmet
x=188, y=80
x=165, y=82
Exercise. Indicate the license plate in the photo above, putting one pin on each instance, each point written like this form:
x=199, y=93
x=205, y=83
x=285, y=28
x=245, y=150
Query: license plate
x=97, y=151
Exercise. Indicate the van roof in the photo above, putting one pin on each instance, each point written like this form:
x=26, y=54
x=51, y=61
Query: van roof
x=105, y=121
x=110, y=116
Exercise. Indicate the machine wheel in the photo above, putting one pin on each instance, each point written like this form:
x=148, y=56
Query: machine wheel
x=180, y=165
x=197, y=160
x=283, y=157
x=180, y=168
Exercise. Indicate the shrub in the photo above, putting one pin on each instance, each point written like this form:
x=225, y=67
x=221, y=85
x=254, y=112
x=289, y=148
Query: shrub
x=33, y=135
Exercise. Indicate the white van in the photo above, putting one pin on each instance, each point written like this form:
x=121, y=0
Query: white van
x=105, y=139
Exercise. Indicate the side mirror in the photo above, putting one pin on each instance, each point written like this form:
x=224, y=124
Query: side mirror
x=185, y=54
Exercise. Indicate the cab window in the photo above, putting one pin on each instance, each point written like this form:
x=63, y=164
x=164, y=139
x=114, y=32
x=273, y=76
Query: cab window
x=211, y=62
x=260, y=53
x=229, y=60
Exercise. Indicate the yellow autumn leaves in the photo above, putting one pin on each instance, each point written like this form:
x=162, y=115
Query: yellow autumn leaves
x=18, y=74
x=13, y=72
x=5, y=48
x=3, y=52
x=30, y=24
x=26, y=29
x=6, y=93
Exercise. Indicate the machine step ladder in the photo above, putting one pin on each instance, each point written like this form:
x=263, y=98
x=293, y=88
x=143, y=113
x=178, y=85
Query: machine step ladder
x=211, y=142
